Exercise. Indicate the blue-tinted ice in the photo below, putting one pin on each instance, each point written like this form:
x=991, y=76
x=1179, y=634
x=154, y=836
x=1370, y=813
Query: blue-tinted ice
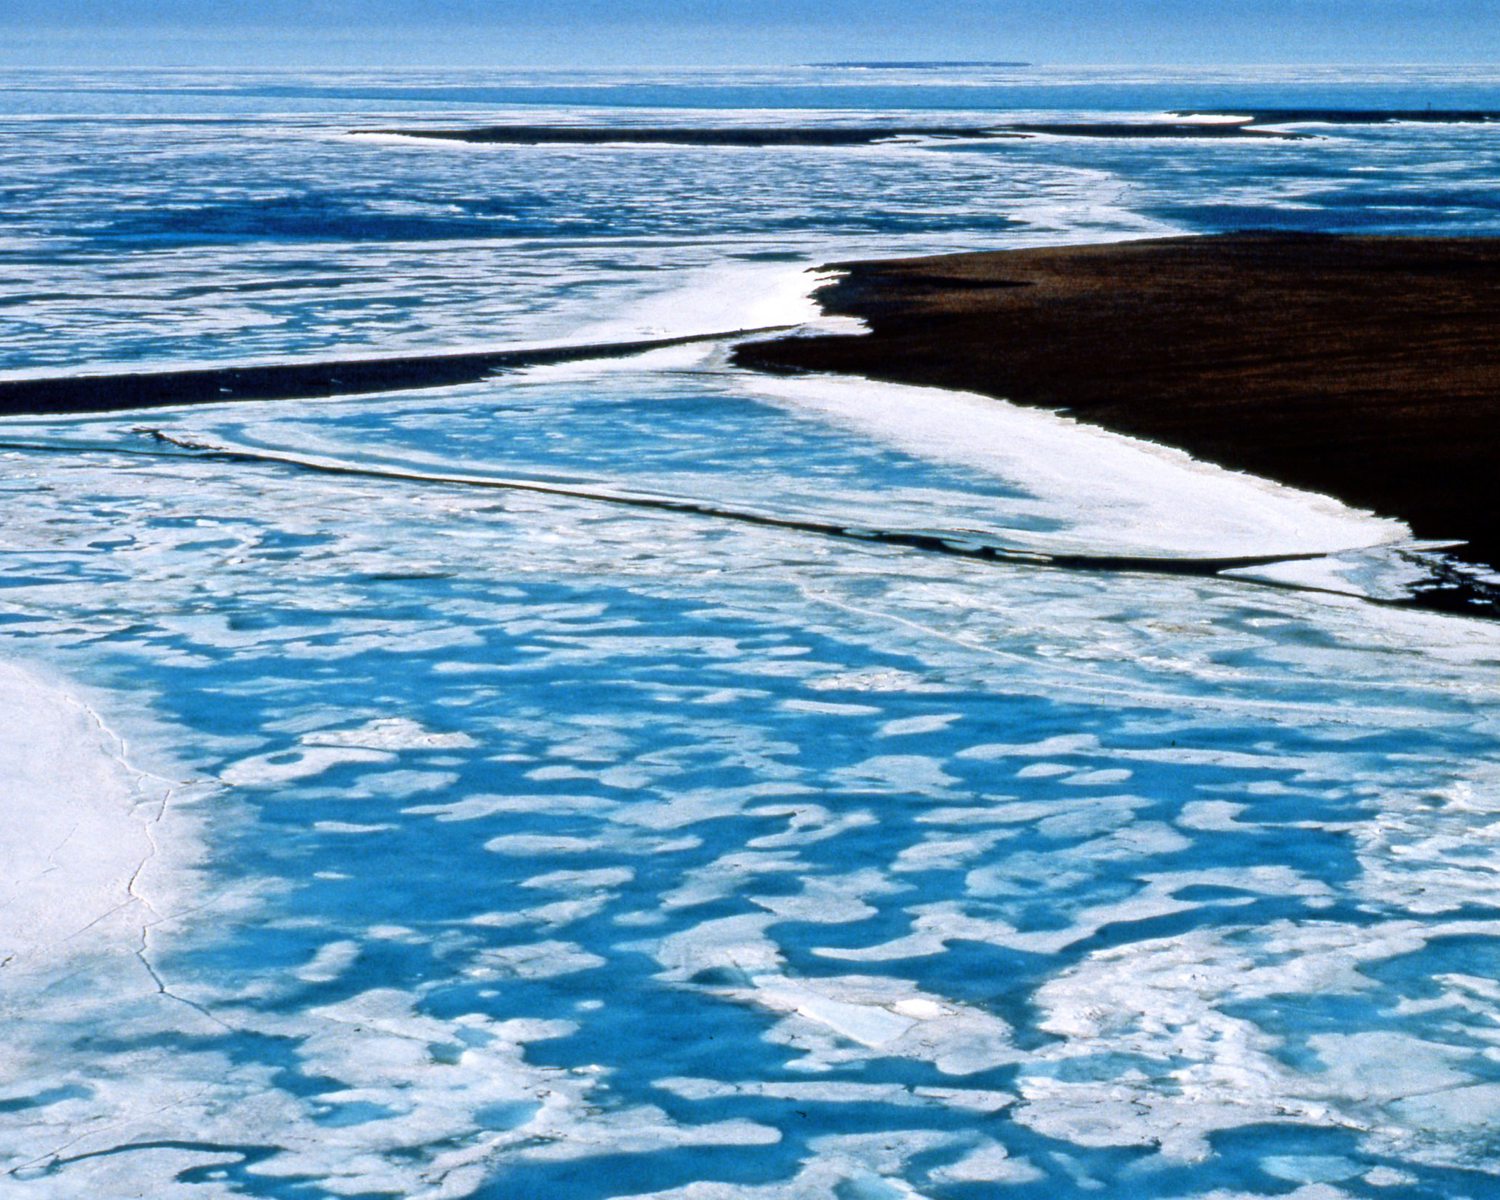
x=524, y=844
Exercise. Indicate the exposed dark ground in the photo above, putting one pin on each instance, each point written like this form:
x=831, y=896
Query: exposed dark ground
x=1254, y=124
x=118, y=392
x=688, y=135
x=1365, y=368
x=820, y=135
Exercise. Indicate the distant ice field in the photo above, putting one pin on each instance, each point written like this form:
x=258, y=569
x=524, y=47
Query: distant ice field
x=161, y=219
x=465, y=830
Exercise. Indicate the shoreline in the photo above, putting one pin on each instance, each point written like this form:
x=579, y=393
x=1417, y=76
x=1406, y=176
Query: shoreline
x=823, y=137
x=71, y=395
x=1365, y=369
x=1255, y=122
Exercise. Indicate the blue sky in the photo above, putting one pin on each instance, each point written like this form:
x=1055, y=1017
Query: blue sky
x=621, y=32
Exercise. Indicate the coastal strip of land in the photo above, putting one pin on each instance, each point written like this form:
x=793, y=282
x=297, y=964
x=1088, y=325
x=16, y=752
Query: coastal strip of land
x=762, y=137
x=754, y=137
x=1185, y=123
x=117, y=392
x=1366, y=368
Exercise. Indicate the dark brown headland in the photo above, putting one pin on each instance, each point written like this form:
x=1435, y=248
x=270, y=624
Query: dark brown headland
x=1361, y=367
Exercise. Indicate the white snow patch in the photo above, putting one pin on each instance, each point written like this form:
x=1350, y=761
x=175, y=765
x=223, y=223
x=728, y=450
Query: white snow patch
x=1113, y=492
x=96, y=850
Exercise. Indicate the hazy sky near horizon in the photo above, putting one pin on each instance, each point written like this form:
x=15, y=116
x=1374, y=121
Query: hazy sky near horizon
x=270, y=33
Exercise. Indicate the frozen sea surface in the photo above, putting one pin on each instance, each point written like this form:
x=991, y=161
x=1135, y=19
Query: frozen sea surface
x=503, y=835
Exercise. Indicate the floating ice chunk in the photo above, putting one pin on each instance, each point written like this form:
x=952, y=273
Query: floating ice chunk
x=808, y=824
x=553, y=772
x=1212, y=816
x=1155, y=1057
x=1076, y=818
x=1383, y=1065
x=934, y=926
x=729, y=875
x=525, y=845
x=287, y=766
x=735, y=944
x=568, y=881
x=565, y=912
x=642, y=1129
x=499, y=920
x=1021, y=873
x=989, y=1162
x=908, y=773
x=1266, y=880
x=1432, y=850
x=349, y=827
x=377, y=741
x=682, y=807
x=539, y=960
x=448, y=1097
x=627, y=778
x=1463, y=1111
x=1137, y=840
x=1043, y=770
x=872, y=679
x=869, y=1024
x=914, y=945
x=981, y=1100
x=1235, y=759
x=422, y=1086
x=828, y=708
x=905, y=726
x=831, y=900
x=957, y=1040
x=391, y=933
x=402, y=784
x=921, y=1009
x=824, y=1016
x=331, y=961
x=1101, y=778
x=1002, y=811
x=390, y=733
x=1143, y=1112
x=1459, y=991
x=946, y=853
x=1309, y=1168
x=882, y=1153
x=679, y=810
x=1066, y=743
